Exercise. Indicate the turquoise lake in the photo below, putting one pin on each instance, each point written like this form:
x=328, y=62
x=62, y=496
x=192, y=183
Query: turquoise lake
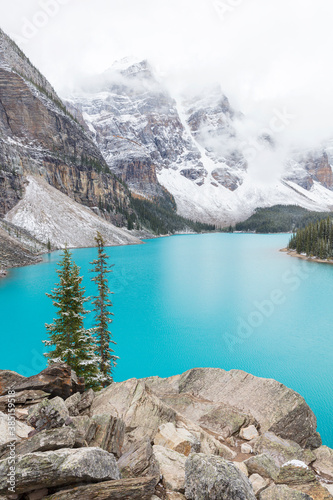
x=219, y=300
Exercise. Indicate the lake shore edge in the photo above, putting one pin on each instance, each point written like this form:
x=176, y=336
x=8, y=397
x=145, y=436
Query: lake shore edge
x=293, y=253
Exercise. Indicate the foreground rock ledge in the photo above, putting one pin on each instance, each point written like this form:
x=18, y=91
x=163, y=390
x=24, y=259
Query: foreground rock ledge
x=209, y=477
x=132, y=489
x=56, y=468
x=274, y=406
x=206, y=434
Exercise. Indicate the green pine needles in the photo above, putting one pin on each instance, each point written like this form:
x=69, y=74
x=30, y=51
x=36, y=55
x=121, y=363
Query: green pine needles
x=315, y=240
x=102, y=303
x=86, y=351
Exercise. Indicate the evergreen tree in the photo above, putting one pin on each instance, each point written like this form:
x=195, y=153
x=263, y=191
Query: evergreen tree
x=72, y=343
x=315, y=239
x=102, y=303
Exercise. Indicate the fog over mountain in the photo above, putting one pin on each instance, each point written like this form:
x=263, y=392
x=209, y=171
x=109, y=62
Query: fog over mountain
x=270, y=58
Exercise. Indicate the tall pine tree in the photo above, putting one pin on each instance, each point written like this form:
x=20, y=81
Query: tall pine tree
x=102, y=304
x=72, y=343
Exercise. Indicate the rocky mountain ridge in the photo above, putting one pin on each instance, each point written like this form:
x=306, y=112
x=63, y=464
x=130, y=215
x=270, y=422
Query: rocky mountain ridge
x=40, y=137
x=43, y=145
x=205, y=434
x=192, y=147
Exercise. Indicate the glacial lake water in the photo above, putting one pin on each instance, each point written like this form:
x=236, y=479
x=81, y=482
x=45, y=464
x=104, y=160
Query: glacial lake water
x=218, y=300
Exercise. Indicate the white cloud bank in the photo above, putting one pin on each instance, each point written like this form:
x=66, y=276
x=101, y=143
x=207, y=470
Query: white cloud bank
x=267, y=55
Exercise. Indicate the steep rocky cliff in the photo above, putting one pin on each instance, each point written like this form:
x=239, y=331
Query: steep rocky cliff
x=39, y=136
x=311, y=167
x=136, y=125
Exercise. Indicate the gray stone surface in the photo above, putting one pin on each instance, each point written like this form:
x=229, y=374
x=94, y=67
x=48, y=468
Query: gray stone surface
x=139, y=461
x=106, y=432
x=324, y=461
x=141, y=411
x=141, y=488
x=53, y=439
x=213, y=478
x=172, y=468
x=61, y=467
x=282, y=450
x=178, y=439
x=264, y=465
x=276, y=407
x=86, y=400
x=295, y=472
x=72, y=404
x=21, y=431
x=282, y=492
x=48, y=414
x=249, y=433
x=258, y=483
x=8, y=379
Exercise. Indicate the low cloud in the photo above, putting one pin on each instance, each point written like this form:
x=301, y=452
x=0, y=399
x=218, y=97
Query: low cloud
x=265, y=55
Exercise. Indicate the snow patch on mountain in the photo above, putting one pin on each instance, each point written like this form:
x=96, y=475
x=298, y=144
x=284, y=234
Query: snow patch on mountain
x=211, y=202
x=194, y=145
x=52, y=216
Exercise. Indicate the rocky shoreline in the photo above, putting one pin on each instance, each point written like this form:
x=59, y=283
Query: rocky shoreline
x=205, y=434
x=293, y=253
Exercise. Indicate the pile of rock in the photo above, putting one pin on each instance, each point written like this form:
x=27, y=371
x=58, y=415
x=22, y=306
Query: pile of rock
x=206, y=434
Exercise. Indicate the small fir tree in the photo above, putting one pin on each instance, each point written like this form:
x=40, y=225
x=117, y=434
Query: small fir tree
x=72, y=343
x=102, y=304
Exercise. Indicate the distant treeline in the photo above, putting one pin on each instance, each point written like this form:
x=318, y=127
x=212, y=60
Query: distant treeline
x=280, y=219
x=160, y=218
x=315, y=240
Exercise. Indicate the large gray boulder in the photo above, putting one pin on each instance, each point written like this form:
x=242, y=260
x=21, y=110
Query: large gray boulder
x=8, y=379
x=172, y=468
x=282, y=492
x=25, y=398
x=139, y=461
x=177, y=439
x=263, y=465
x=78, y=403
x=61, y=467
x=324, y=461
x=48, y=414
x=57, y=379
x=295, y=472
x=141, y=411
x=131, y=489
x=219, y=418
x=213, y=478
x=106, y=432
x=81, y=424
x=72, y=404
x=277, y=408
x=282, y=450
x=53, y=439
x=86, y=400
x=10, y=433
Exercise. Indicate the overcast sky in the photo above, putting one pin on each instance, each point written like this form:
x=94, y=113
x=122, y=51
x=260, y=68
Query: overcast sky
x=267, y=54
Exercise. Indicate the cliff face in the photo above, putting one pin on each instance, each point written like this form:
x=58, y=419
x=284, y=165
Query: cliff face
x=39, y=136
x=17, y=247
x=136, y=125
x=194, y=146
x=315, y=167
